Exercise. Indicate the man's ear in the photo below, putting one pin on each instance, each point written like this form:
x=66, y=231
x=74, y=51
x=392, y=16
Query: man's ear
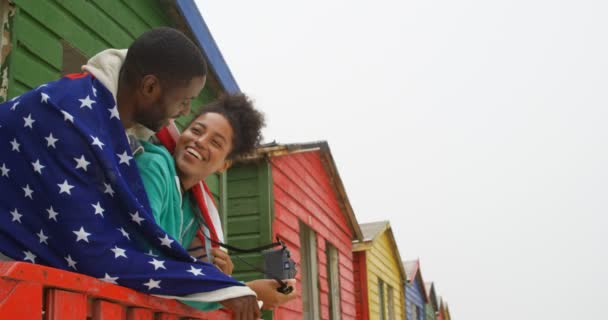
x=150, y=88
x=225, y=166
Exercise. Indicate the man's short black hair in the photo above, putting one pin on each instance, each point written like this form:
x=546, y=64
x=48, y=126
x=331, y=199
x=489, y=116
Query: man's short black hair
x=166, y=53
x=245, y=120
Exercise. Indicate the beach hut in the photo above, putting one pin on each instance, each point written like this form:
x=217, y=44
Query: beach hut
x=294, y=192
x=446, y=311
x=441, y=312
x=379, y=273
x=432, y=307
x=415, y=292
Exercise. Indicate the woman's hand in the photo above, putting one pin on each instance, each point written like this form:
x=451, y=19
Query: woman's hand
x=222, y=260
x=266, y=289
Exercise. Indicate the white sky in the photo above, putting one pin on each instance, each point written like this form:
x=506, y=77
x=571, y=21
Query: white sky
x=478, y=128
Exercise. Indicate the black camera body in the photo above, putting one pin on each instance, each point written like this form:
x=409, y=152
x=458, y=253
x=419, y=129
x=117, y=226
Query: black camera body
x=278, y=264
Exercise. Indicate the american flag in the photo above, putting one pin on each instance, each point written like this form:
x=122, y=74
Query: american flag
x=71, y=196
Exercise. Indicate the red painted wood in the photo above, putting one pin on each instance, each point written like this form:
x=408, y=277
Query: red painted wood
x=305, y=198
x=104, y=310
x=361, y=285
x=139, y=314
x=323, y=182
x=22, y=284
x=303, y=192
x=67, y=305
x=166, y=316
x=20, y=300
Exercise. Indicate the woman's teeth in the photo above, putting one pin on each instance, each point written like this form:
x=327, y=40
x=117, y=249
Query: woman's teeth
x=194, y=153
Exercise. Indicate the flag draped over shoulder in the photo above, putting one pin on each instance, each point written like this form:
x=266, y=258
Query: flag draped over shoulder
x=168, y=136
x=72, y=198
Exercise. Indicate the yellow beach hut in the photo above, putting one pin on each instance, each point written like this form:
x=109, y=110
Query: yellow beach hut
x=379, y=273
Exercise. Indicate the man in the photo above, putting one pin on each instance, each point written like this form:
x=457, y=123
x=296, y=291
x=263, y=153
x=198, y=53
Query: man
x=72, y=196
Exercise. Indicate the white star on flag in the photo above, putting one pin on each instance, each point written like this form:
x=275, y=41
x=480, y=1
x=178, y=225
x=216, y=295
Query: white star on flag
x=98, y=209
x=29, y=121
x=107, y=278
x=82, y=235
x=71, y=263
x=136, y=218
x=67, y=116
x=44, y=97
x=28, y=191
x=118, y=252
x=15, y=105
x=50, y=141
x=166, y=241
x=5, y=170
x=15, y=145
x=42, y=237
x=29, y=256
x=65, y=187
x=86, y=102
x=114, y=113
x=81, y=163
x=157, y=264
x=124, y=158
x=108, y=189
x=52, y=213
x=94, y=92
x=152, y=284
x=16, y=215
x=97, y=142
x=124, y=233
x=195, y=271
x=37, y=166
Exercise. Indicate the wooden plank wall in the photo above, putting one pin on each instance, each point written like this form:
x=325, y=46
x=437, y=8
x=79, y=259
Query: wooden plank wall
x=361, y=290
x=303, y=192
x=249, y=216
x=382, y=263
x=414, y=295
x=244, y=218
x=39, y=27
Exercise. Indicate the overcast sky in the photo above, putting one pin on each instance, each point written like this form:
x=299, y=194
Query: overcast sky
x=478, y=128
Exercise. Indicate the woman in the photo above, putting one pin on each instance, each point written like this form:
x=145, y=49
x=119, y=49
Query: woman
x=223, y=130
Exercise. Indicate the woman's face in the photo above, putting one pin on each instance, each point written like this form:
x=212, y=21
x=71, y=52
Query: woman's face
x=203, y=148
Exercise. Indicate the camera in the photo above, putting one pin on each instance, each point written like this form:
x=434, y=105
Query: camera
x=278, y=264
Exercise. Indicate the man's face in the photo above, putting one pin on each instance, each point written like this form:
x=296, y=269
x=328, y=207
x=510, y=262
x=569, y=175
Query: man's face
x=170, y=104
x=203, y=147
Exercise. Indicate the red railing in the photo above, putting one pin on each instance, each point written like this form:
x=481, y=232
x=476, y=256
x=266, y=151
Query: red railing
x=29, y=291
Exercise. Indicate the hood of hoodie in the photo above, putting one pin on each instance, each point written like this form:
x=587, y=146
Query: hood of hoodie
x=105, y=66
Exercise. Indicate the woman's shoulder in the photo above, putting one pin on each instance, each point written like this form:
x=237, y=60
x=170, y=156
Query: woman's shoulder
x=154, y=155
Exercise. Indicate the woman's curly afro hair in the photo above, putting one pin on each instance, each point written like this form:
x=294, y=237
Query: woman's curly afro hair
x=245, y=120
